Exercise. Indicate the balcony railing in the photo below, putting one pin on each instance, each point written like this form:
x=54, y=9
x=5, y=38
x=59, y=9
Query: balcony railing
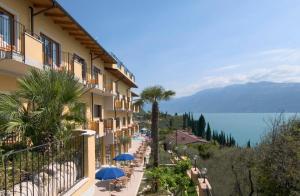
x=11, y=38
x=94, y=125
x=123, y=68
x=118, y=104
x=108, y=125
x=48, y=169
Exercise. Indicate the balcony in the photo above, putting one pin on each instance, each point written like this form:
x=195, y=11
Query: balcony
x=119, y=104
x=121, y=71
x=97, y=126
x=109, y=126
x=18, y=47
x=136, y=108
x=127, y=105
x=109, y=86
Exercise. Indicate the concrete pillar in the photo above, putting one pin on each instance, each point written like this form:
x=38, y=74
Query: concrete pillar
x=89, y=154
x=89, y=163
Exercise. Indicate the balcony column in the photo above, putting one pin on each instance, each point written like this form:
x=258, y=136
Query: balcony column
x=103, y=157
x=130, y=136
x=119, y=144
x=112, y=154
x=127, y=143
x=117, y=152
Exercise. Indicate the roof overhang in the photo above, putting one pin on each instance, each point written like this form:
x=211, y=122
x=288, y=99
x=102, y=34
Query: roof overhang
x=61, y=17
x=133, y=94
x=121, y=76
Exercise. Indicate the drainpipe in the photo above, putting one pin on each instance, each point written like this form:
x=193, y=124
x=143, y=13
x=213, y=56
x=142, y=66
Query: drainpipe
x=91, y=64
x=31, y=20
x=92, y=94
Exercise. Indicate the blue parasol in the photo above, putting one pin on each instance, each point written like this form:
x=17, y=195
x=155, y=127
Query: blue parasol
x=124, y=157
x=109, y=173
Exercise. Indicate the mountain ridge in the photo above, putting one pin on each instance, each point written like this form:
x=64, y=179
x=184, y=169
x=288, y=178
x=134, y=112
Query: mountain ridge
x=240, y=98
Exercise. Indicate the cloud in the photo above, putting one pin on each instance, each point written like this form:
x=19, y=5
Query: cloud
x=227, y=67
x=280, y=73
x=273, y=65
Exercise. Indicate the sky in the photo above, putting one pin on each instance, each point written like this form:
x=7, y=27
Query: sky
x=191, y=45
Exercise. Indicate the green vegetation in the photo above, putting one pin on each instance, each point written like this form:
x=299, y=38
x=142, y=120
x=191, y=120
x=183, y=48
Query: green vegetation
x=270, y=168
x=42, y=112
x=45, y=108
x=171, y=179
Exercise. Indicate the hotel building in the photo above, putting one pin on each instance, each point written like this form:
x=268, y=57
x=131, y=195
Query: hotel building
x=41, y=34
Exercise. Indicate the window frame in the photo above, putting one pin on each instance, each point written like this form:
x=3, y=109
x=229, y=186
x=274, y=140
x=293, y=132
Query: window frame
x=12, y=26
x=52, y=42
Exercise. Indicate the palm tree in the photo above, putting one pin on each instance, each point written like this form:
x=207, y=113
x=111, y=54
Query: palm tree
x=154, y=95
x=45, y=108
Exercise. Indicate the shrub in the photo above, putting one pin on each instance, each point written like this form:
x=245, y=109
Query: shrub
x=182, y=166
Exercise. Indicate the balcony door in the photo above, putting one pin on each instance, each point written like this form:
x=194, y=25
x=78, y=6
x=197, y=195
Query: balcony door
x=51, y=52
x=96, y=75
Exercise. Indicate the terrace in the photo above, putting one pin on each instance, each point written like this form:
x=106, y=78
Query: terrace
x=131, y=185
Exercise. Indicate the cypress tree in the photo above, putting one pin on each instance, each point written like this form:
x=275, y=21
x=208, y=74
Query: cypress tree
x=208, y=132
x=192, y=124
x=184, y=121
x=171, y=123
x=248, y=144
x=202, y=125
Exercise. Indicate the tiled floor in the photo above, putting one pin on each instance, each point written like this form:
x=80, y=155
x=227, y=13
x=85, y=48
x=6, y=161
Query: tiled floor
x=102, y=187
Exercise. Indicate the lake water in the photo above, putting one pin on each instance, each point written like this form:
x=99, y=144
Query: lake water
x=242, y=126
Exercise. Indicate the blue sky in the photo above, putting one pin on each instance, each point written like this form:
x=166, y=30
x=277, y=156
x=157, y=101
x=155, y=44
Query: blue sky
x=190, y=45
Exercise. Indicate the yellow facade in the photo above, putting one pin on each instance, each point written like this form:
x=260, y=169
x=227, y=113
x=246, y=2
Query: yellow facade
x=108, y=90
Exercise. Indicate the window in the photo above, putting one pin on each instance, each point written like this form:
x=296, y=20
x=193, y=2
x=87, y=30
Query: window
x=98, y=111
x=83, y=64
x=128, y=120
x=51, y=50
x=117, y=87
x=6, y=28
x=124, y=121
x=96, y=71
x=118, y=122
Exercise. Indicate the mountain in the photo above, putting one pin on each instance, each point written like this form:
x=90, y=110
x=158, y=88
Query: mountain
x=250, y=97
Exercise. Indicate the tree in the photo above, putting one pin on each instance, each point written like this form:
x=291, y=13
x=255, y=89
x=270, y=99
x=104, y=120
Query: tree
x=248, y=144
x=45, y=108
x=184, y=121
x=192, y=124
x=171, y=123
x=154, y=95
x=278, y=159
x=201, y=126
x=208, y=132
